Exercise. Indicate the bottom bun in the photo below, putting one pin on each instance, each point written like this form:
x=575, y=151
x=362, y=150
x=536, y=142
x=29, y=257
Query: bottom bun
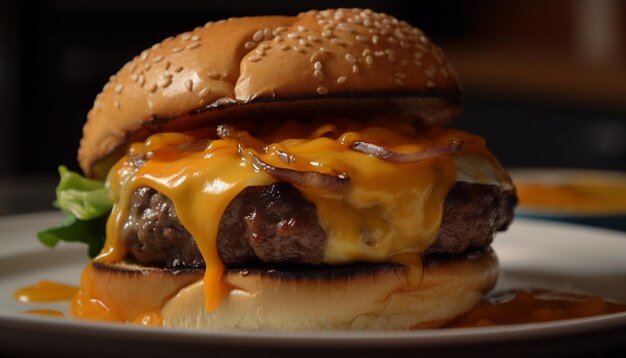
x=357, y=297
x=360, y=297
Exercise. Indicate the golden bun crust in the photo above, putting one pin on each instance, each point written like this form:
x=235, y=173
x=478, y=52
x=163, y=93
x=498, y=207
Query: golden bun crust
x=343, y=53
x=365, y=297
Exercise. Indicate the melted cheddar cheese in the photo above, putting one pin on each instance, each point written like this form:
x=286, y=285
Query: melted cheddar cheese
x=389, y=212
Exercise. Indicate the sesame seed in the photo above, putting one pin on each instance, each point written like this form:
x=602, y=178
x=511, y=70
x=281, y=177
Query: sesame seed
x=322, y=90
x=249, y=45
x=324, y=50
x=117, y=104
x=421, y=47
x=185, y=36
x=389, y=51
x=195, y=38
x=134, y=77
x=379, y=53
x=345, y=27
x=259, y=51
x=392, y=39
x=156, y=46
x=301, y=28
x=119, y=88
x=424, y=39
x=337, y=42
x=315, y=57
x=194, y=45
x=158, y=58
x=258, y=36
x=319, y=74
x=267, y=34
x=400, y=75
x=167, y=65
x=189, y=85
x=398, y=81
x=438, y=57
x=278, y=38
x=418, y=55
x=313, y=38
x=404, y=44
x=366, y=52
x=355, y=69
x=177, y=69
x=430, y=84
x=147, y=67
x=213, y=75
x=299, y=49
x=165, y=81
x=280, y=29
x=203, y=92
x=327, y=33
x=283, y=47
x=350, y=58
x=369, y=59
x=317, y=65
x=342, y=79
x=418, y=63
x=153, y=88
x=375, y=39
x=303, y=42
x=142, y=80
x=255, y=58
x=265, y=46
x=293, y=35
x=362, y=38
x=177, y=49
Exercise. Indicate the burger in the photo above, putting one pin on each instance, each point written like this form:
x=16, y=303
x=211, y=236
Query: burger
x=284, y=173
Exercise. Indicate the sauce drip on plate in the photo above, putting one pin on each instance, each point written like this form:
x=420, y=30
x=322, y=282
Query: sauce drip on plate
x=45, y=312
x=45, y=291
x=533, y=306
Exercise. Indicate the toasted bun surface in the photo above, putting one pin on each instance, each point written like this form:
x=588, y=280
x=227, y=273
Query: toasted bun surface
x=345, y=57
x=381, y=296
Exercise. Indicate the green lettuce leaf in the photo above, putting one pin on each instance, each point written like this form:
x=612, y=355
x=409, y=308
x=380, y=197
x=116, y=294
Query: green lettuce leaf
x=86, y=205
x=85, y=198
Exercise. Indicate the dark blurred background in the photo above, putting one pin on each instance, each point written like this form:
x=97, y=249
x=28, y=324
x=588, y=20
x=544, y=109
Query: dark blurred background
x=544, y=80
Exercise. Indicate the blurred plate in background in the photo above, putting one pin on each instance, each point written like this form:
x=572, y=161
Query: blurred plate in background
x=588, y=197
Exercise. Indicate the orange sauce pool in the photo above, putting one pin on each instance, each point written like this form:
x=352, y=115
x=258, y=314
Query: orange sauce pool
x=45, y=291
x=517, y=307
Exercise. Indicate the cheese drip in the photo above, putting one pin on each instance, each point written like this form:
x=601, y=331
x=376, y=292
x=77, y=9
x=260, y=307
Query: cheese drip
x=389, y=212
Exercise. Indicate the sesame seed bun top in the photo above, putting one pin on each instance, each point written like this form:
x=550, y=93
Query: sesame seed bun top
x=343, y=59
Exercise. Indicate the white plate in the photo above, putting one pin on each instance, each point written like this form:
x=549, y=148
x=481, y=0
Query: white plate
x=532, y=254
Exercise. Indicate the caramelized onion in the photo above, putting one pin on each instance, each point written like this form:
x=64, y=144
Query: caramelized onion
x=339, y=182
x=455, y=146
x=228, y=131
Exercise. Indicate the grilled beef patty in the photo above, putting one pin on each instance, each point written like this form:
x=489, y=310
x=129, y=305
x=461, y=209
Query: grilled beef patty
x=276, y=224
